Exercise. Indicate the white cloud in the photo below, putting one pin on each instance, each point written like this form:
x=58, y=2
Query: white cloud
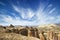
x=41, y=17
x=50, y=5
x=24, y=13
x=52, y=10
x=2, y=3
x=15, y=8
x=30, y=13
x=16, y=21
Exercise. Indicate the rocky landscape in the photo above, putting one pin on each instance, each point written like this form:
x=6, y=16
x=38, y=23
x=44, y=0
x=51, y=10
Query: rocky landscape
x=43, y=32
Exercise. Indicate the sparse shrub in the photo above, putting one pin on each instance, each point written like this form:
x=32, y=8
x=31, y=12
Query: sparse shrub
x=8, y=31
x=4, y=27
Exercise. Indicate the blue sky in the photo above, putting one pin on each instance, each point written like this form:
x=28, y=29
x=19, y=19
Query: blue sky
x=29, y=12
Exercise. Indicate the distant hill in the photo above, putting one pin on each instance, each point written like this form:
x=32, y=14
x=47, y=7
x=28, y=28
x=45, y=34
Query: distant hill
x=58, y=24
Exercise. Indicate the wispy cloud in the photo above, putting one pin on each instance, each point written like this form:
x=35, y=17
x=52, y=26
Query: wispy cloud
x=52, y=10
x=40, y=16
x=1, y=3
x=50, y=5
x=24, y=13
x=15, y=21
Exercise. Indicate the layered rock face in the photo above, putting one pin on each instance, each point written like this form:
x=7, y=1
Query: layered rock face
x=28, y=33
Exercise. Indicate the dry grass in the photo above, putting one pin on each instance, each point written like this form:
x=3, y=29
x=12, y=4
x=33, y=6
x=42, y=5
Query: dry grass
x=13, y=36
